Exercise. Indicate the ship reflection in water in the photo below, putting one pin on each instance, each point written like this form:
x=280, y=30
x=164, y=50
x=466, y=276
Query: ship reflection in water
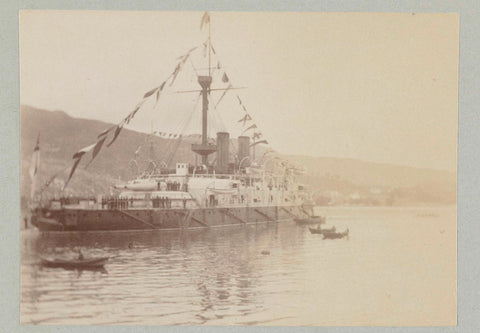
x=266, y=274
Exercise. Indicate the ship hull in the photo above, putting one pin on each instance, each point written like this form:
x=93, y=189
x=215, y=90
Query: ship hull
x=69, y=219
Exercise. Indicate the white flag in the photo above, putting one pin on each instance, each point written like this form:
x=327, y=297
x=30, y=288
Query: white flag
x=34, y=167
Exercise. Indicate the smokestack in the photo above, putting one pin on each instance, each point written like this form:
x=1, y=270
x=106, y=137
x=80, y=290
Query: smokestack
x=244, y=151
x=223, y=142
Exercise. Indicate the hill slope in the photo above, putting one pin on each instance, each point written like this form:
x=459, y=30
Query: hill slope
x=62, y=135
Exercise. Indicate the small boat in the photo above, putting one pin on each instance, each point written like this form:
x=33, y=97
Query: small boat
x=319, y=230
x=335, y=235
x=310, y=220
x=90, y=263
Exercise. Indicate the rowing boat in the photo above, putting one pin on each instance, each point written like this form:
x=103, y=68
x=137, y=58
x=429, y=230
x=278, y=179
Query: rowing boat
x=336, y=235
x=75, y=263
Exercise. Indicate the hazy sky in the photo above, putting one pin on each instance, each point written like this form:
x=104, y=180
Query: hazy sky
x=377, y=87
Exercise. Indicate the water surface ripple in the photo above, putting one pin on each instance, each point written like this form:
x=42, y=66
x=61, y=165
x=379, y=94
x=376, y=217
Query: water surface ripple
x=398, y=267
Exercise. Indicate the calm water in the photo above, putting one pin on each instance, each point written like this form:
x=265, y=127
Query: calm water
x=397, y=268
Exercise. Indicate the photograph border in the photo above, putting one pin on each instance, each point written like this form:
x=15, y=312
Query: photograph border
x=468, y=190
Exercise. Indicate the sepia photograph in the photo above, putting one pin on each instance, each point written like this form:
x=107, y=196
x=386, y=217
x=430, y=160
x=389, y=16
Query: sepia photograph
x=238, y=168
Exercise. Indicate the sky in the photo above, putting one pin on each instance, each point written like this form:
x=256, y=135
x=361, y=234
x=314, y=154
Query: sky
x=379, y=87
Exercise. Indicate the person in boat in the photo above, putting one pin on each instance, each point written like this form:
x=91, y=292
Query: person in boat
x=80, y=255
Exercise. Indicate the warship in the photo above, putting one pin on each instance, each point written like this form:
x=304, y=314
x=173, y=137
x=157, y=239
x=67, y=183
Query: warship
x=233, y=188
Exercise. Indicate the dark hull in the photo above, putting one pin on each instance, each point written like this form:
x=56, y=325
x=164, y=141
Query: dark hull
x=70, y=264
x=335, y=235
x=155, y=218
x=48, y=224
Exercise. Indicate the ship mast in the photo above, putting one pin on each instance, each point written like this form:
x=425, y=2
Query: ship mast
x=209, y=48
x=204, y=149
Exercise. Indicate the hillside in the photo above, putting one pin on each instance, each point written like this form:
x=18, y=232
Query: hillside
x=361, y=182
x=62, y=135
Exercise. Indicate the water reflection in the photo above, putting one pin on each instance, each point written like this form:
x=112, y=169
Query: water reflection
x=220, y=276
x=78, y=270
x=215, y=269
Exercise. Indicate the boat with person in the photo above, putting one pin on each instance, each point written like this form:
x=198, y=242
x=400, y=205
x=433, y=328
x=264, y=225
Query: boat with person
x=79, y=263
x=321, y=231
x=235, y=187
x=335, y=234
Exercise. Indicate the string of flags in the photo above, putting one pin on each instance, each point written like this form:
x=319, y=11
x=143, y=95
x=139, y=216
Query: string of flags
x=167, y=135
x=157, y=91
x=246, y=118
x=102, y=137
x=225, y=79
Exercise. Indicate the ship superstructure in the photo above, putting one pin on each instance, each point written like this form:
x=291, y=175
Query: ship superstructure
x=190, y=197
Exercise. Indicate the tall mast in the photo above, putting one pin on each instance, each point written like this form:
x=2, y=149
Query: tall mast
x=209, y=46
x=204, y=149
